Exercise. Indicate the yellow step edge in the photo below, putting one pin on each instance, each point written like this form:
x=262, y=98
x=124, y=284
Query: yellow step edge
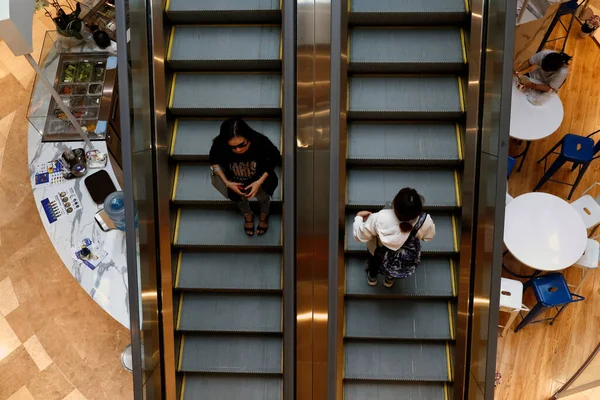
x=461, y=94
x=457, y=188
x=174, y=192
x=170, y=47
x=179, y=308
x=179, y=258
x=467, y=7
x=463, y=45
x=180, y=353
x=459, y=142
x=453, y=277
x=174, y=137
x=446, y=391
x=448, y=362
x=281, y=44
x=183, y=387
x=451, y=320
x=172, y=93
x=168, y=5
x=455, y=233
x=176, y=236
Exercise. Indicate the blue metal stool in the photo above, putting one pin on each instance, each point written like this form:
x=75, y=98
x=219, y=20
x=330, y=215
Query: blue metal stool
x=576, y=149
x=511, y=165
x=551, y=291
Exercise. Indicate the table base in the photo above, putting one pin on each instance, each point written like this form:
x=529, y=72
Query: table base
x=522, y=155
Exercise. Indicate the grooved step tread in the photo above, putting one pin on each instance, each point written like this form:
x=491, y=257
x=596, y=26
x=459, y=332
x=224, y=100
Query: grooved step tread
x=224, y=11
x=209, y=228
x=433, y=278
x=221, y=95
x=404, y=97
x=397, y=319
x=393, y=391
x=241, y=354
x=415, y=50
x=228, y=387
x=390, y=144
x=408, y=12
x=194, y=186
x=230, y=271
x=194, y=137
x=225, y=47
x=230, y=312
x=366, y=187
x=399, y=361
x=443, y=242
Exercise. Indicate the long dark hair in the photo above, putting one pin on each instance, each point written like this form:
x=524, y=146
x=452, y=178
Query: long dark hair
x=236, y=127
x=407, y=205
x=555, y=61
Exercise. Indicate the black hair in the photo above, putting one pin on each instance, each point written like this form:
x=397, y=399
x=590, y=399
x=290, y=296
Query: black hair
x=236, y=127
x=407, y=205
x=101, y=38
x=555, y=61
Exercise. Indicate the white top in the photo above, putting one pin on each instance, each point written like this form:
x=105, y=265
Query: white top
x=554, y=79
x=544, y=232
x=529, y=122
x=386, y=226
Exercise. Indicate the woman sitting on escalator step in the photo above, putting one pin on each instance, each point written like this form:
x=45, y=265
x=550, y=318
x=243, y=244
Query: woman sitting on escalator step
x=245, y=160
x=393, y=237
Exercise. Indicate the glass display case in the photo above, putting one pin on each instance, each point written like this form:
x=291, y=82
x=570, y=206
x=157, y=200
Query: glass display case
x=103, y=14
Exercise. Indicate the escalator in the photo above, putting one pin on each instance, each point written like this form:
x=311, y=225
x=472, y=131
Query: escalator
x=405, y=118
x=225, y=59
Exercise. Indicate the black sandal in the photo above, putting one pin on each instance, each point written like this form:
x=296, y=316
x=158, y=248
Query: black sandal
x=249, y=229
x=261, y=230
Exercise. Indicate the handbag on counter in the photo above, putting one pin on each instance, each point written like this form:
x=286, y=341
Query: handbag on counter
x=218, y=183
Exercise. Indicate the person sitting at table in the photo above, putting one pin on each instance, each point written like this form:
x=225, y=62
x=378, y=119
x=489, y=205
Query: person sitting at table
x=549, y=68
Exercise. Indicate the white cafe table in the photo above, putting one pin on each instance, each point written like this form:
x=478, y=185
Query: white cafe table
x=544, y=232
x=529, y=122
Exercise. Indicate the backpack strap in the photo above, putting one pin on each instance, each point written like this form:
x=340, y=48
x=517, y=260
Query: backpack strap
x=419, y=224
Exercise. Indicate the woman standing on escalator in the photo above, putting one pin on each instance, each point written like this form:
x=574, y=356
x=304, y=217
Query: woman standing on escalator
x=245, y=160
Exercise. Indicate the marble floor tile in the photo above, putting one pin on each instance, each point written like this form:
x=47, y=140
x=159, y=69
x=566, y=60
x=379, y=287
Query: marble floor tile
x=50, y=384
x=9, y=341
x=21, y=394
x=8, y=298
x=37, y=352
x=75, y=395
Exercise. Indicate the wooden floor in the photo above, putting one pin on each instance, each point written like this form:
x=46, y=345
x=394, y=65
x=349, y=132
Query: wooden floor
x=539, y=359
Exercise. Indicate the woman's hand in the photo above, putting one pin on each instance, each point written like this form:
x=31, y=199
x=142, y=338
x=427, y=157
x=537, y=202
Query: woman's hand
x=364, y=214
x=252, y=189
x=235, y=187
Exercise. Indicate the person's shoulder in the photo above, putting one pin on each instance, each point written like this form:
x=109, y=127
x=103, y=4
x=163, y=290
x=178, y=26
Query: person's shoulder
x=385, y=218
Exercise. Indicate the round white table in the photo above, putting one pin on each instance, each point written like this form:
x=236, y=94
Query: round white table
x=529, y=122
x=544, y=232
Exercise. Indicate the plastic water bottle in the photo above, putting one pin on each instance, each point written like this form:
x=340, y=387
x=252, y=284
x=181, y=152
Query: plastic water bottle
x=114, y=206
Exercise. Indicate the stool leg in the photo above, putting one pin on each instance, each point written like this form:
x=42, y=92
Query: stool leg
x=511, y=320
x=524, y=156
x=557, y=314
x=551, y=150
x=531, y=316
x=560, y=161
x=585, y=274
x=579, y=177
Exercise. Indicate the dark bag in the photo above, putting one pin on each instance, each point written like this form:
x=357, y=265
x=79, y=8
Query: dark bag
x=403, y=262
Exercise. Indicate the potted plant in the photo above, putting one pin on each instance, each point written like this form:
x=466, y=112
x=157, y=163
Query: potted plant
x=590, y=25
x=68, y=25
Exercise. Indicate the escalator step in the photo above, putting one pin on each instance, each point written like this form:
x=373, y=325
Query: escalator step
x=227, y=387
x=413, y=12
x=442, y=243
x=401, y=361
x=204, y=228
x=194, y=186
x=411, y=144
x=241, y=354
x=393, y=391
x=230, y=312
x=405, y=97
x=370, y=187
x=230, y=271
x=223, y=95
x=397, y=319
x=193, y=137
x=433, y=278
x=224, y=11
x=221, y=48
x=401, y=50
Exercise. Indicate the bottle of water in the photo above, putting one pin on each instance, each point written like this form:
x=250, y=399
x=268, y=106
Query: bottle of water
x=114, y=206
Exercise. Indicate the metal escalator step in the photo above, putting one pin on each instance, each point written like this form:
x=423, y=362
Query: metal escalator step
x=224, y=95
x=222, y=48
x=193, y=186
x=194, y=137
x=404, y=97
x=433, y=278
x=368, y=187
x=413, y=12
x=406, y=50
x=397, y=319
x=241, y=354
x=211, y=228
x=408, y=144
x=224, y=11
x=228, y=387
x=442, y=243
x=400, y=361
x=230, y=312
x=393, y=391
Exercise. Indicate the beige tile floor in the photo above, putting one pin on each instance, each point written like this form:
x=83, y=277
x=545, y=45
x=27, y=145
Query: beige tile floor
x=55, y=341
